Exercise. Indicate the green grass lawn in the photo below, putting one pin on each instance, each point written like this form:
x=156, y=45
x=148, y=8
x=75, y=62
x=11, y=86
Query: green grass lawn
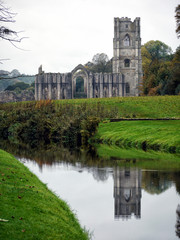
x=31, y=210
x=148, y=107
x=156, y=135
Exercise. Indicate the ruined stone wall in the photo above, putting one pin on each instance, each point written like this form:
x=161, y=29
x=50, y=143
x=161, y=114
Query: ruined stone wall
x=53, y=86
x=107, y=85
x=63, y=86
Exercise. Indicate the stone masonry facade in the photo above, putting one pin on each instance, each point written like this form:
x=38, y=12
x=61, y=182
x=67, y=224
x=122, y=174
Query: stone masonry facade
x=123, y=81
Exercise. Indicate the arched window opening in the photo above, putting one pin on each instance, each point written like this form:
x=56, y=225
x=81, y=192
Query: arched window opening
x=79, y=85
x=126, y=63
x=126, y=41
x=127, y=88
x=127, y=194
x=79, y=91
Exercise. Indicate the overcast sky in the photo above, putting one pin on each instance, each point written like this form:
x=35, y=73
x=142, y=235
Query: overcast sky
x=64, y=33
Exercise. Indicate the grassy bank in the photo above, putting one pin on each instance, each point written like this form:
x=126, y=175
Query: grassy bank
x=134, y=107
x=31, y=210
x=156, y=135
x=74, y=121
x=138, y=158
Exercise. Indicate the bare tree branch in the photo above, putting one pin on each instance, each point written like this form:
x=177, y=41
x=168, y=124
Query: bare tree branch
x=177, y=16
x=6, y=33
x=5, y=59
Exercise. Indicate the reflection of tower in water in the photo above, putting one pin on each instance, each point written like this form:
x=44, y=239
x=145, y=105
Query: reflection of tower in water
x=127, y=193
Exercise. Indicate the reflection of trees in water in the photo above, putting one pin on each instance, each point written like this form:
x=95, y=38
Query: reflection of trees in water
x=80, y=159
x=100, y=174
x=178, y=221
x=87, y=159
x=176, y=180
x=156, y=182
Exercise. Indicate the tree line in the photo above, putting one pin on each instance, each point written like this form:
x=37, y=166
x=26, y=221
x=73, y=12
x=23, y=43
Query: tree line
x=161, y=69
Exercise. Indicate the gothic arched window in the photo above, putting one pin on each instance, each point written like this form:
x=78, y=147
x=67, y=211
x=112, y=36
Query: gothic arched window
x=126, y=40
x=79, y=84
x=126, y=63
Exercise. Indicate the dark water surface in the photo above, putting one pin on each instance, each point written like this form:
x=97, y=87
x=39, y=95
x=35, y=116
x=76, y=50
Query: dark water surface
x=112, y=202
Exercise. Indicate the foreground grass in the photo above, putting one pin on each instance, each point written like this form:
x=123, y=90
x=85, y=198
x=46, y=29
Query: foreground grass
x=138, y=158
x=156, y=135
x=32, y=211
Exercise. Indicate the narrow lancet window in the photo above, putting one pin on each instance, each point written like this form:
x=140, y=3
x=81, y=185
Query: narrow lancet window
x=127, y=88
x=126, y=41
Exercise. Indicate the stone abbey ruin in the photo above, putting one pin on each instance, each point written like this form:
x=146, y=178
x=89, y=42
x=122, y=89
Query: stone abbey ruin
x=123, y=81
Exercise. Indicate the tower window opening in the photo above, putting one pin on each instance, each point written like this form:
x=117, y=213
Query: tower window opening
x=126, y=40
x=126, y=63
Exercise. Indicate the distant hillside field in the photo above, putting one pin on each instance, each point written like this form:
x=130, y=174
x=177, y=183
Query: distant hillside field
x=134, y=107
x=7, y=80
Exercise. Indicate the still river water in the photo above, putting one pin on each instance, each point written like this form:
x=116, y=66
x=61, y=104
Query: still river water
x=111, y=202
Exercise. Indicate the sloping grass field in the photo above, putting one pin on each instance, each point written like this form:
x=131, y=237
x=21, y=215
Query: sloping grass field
x=135, y=107
x=157, y=135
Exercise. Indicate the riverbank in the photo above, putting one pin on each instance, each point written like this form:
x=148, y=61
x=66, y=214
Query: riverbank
x=155, y=135
x=29, y=210
x=133, y=157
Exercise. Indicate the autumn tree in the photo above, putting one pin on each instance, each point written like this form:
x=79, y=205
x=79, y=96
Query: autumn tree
x=156, y=51
x=175, y=82
x=156, y=57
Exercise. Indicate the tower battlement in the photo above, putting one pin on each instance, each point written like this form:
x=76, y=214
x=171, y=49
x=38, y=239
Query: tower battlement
x=124, y=19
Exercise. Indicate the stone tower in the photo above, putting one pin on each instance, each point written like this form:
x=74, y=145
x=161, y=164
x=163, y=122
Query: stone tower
x=127, y=54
